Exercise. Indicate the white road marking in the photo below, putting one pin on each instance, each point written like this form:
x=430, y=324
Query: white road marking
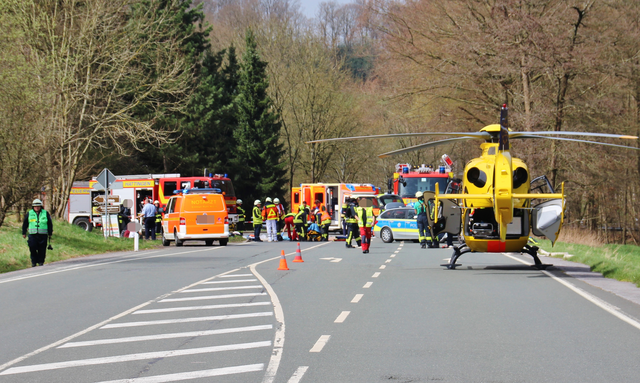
x=186, y=320
x=357, y=298
x=135, y=257
x=332, y=259
x=236, y=281
x=144, y=338
x=132, y=357
x=382, y=267
x=375, y=275
x=367, y=285
x=341, y=318
x=591, y=298
x=387, y=261
x=207, y=307
x=204, y=297
x=322, y=341
x=234, y=275
x=221, y=289
x=192, y=375
x=91, y=328
x=392, y=256
x=297, y=376
x=397, y=251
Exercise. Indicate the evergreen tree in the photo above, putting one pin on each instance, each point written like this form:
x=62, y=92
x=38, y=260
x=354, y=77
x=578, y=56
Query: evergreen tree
x=258, y=154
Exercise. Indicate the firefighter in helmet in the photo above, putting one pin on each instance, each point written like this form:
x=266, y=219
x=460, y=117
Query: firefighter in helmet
x=38, y=223
x=241, y=214
x=257, y=220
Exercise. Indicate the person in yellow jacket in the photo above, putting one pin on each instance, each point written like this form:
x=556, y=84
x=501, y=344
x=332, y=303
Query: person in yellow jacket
x=300, y=222
x=257, y=220
x=38, y=223
x=353, y=231
x=366, y=219
x=241, y=214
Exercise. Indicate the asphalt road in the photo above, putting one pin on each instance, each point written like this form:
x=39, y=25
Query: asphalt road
x=226, y=314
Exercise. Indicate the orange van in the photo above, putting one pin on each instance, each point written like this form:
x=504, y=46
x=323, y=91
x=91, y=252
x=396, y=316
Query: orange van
x=196, y=214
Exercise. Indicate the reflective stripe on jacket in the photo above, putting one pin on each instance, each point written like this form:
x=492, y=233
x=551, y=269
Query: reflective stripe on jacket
x=257, y=216
x=365, y=216
x=270, y=212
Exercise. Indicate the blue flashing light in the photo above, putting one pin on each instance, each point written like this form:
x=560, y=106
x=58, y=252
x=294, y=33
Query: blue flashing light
x=210, y=175
x=351, y=187
x=225, y=175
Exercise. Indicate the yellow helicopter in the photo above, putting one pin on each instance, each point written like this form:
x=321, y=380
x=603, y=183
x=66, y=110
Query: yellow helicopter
x=495, y=212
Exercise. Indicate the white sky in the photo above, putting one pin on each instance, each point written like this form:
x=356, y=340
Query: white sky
x=310, y=7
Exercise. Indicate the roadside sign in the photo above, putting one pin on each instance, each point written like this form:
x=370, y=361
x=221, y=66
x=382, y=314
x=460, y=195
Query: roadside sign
x=106, y=178
x=114, y=185
x=111, y=209
x=112, y=199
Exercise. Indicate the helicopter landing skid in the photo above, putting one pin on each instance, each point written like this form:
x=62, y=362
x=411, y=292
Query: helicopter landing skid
x=533, y=251
x=457, y=252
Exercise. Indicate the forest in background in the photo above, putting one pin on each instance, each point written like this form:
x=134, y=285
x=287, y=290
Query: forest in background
x=174, y=86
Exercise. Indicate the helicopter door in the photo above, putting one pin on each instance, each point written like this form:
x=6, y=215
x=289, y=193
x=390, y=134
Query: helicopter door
x=449, y=212
x=547, y=219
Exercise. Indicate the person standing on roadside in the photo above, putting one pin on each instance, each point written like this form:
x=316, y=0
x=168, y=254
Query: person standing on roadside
x=158, y=217
x=257, y=220
x=365, y=222
x=241, y=215
x=270, y=214
x=38, y=223
x=149, y=216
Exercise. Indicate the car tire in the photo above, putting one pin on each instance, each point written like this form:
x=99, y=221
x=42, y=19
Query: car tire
x=84, y=223
x=178, y=241
x=386, y=235
x=224, y=241
x=208, y=242
x=165, y=241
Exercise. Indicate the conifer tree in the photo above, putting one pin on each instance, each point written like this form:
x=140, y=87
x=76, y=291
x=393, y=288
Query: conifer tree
x=259, y=168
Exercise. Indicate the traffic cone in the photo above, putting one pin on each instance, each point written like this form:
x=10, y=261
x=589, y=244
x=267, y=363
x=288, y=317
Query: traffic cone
x=298, y=257
x=283, y=262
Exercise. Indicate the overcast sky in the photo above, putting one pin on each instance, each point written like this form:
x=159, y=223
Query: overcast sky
x=310, y=7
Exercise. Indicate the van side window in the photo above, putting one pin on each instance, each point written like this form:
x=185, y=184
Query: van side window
x=296, y=198
x=319, y=197
x=170, y=205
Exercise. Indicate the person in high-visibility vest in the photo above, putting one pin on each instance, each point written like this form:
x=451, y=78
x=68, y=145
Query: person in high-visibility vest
x=300, y=221
x=281, y=214
x=38, y=223
x=257, y=220
x=290, y=224
x=158, y=217
x=270, y=214
x=325, y=222
x=353, y=230
x=241, y=215
x=421, y=209
x=365, y=221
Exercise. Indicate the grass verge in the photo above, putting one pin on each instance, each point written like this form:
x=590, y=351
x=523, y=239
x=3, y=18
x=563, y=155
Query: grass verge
x=68, y=241
x=620, y=262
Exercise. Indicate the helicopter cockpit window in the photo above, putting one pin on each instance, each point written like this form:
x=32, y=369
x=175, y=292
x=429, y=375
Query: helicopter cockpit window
x=492, y=151
x=477, y=177
x=423, y=184
x=520, y=176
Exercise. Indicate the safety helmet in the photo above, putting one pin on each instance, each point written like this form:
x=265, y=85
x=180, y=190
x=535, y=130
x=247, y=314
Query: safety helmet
x=36, y=202
x=276, y=200
x=419, y=194
x=155, y=202
x=268, y=199
x=239, y=201
x=257, y=202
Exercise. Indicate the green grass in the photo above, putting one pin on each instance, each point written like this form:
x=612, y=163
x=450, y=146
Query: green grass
x=621, y=262
x=68, y=241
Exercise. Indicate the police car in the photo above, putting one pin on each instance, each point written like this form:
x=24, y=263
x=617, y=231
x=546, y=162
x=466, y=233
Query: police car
x=397, y=224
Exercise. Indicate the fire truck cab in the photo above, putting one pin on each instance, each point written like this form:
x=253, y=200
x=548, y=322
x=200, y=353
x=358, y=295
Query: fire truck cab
x=332, y=196
x=408, y=180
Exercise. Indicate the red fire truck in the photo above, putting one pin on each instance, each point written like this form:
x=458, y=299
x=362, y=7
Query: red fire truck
x=83, y=209
x=408, y=180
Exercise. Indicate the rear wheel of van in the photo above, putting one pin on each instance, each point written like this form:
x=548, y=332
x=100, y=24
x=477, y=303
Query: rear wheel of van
x=224, y=241
x=178, y=241
x=84, y=223
x=208, y=242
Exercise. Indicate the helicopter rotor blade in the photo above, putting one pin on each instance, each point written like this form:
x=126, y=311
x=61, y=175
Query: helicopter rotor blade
x=586, y=134
x=424, y=146
x=575, y=140
x=478, y=135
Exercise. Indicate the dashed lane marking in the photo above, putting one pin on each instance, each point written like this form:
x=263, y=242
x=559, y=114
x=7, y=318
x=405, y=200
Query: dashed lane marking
x=186, y=320
x=375, y=275
x=322, y=341
x=132, y=357
x=357, y=298
x=387, y=261
x=207, y=307
x=382, y=267
x=145, y=338
x=193, y=374
x=392, y=256
x=367, y=285
x=297, y=376
x=341, y=318
x=205, y=297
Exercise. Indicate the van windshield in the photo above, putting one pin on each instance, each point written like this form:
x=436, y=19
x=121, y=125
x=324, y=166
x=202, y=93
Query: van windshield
x=204, y=203
x=225, y=186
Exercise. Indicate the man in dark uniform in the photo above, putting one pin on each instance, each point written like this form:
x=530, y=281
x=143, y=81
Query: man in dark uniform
x=423, y=222
x=38, y=223
x=353, y=230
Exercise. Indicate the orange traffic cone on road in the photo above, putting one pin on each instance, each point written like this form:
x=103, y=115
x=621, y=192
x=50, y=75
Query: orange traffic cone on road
x=283, y=262
x=298, y=257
